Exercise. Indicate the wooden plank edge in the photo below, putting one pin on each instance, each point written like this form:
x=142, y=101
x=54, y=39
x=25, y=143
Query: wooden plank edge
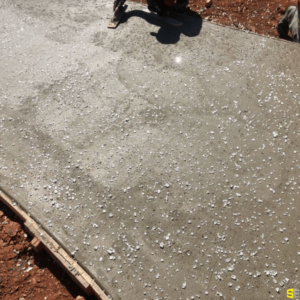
x=37, y=245
x=43, y=241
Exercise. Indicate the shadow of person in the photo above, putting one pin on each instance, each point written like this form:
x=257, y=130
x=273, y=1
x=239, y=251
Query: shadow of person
x=168, y=34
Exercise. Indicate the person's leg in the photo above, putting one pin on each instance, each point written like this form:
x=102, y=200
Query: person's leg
x=294, y=24
x=283, y=24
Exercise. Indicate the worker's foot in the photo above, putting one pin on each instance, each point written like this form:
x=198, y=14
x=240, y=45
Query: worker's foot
x=161, y=11
x=289, y=21
x=180, y=6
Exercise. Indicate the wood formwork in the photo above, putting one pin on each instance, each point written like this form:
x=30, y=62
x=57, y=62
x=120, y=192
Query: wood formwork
x=43, y=241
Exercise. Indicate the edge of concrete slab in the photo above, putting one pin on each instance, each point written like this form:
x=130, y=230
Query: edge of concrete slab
x=249, y=32
x=229, y=27
x=43, y=241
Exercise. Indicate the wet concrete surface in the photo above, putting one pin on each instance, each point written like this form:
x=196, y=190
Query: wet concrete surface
x=165, y=160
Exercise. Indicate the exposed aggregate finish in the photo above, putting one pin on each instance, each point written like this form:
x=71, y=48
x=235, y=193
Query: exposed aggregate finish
x=166, y=161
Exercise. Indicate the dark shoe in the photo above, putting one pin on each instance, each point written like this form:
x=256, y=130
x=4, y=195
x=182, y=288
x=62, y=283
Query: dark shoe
x=161, y=10
x=180, y=6
x=182, y=3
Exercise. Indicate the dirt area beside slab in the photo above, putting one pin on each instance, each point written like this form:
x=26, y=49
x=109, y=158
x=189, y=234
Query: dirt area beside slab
x=259, y=16
x=25, y=274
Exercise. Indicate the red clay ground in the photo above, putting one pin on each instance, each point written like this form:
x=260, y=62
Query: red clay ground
x=260, y=16
x=24, y=274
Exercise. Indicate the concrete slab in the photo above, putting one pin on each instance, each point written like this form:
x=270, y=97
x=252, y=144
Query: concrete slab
x=165, y=160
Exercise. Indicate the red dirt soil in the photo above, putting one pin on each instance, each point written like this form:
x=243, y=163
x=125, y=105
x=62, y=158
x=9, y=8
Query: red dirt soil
x=259, y=16
x=25, y=274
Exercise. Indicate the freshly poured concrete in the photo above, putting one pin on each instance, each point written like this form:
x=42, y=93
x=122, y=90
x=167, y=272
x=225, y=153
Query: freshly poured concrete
x=166, y=160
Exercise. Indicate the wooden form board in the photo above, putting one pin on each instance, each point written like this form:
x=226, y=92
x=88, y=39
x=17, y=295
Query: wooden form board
x=43, y=241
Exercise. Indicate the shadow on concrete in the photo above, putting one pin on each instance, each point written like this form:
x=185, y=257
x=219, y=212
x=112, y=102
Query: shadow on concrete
x=168, y=34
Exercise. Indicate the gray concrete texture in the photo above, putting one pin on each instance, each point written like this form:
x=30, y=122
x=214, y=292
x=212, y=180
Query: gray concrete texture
x=165, y=160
